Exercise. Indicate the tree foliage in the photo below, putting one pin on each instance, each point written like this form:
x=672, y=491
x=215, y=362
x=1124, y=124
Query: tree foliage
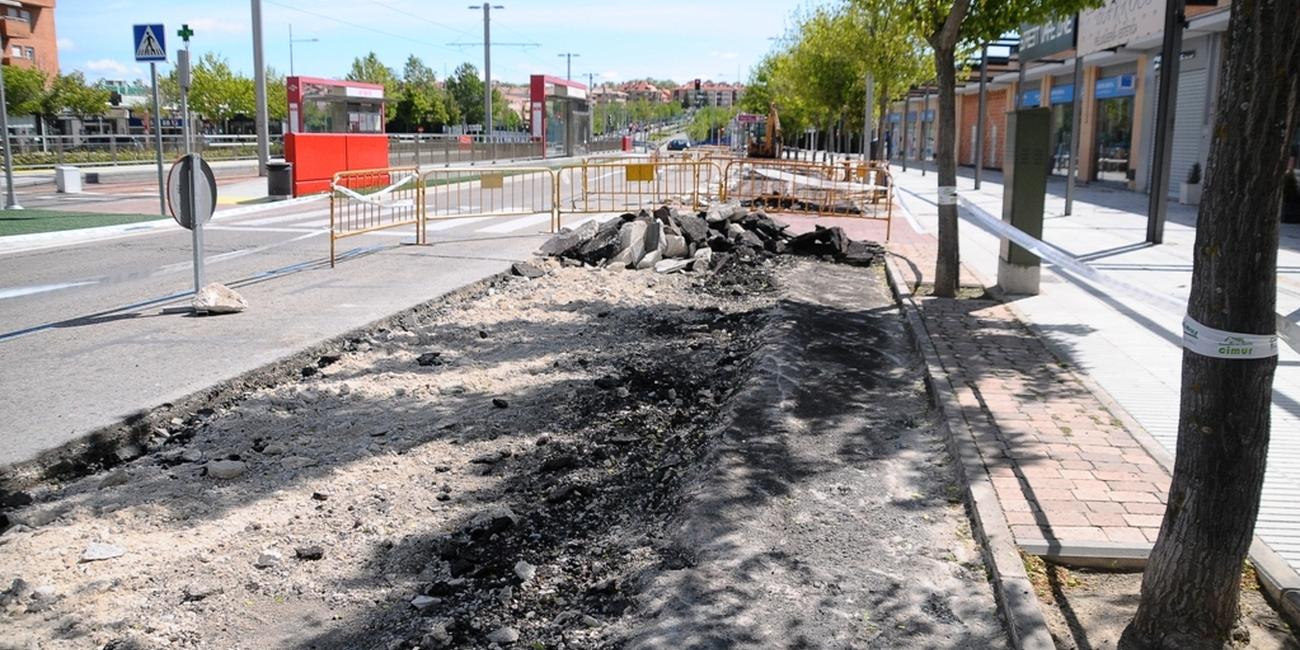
x=816, y=77
x=29, y=92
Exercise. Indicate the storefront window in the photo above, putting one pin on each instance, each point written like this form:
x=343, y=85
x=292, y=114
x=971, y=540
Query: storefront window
x=1114, y=128
x=1062, y=132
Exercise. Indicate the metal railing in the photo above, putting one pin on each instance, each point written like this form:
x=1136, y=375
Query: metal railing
x=615, y=187
x=846, y=189
x=461, y=192
x=376, y=199
x=366, y=201
x=44, y=151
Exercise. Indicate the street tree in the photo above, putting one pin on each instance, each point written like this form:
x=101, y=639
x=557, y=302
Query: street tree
x=948, y=25
x=891, y=52
x=370, y=69
x=217, y=92
x=420, y=102
x=1192, y=581
x=465, y=88
x=24, y=88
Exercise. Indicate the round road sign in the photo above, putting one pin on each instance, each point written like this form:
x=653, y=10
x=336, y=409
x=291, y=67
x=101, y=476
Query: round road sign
x=178, y=191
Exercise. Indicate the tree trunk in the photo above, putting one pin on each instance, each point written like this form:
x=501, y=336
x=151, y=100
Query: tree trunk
x=1192, y=581
x=946, y=271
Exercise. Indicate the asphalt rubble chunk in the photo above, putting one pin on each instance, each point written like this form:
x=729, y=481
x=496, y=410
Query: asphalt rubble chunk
x=671, y=240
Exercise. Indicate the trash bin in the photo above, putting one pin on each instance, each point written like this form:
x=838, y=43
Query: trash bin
x=67, y=179
x=279, y=179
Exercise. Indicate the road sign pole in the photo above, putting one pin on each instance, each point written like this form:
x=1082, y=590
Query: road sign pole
x=11, y=201
x=157, y=138
x=191, y=177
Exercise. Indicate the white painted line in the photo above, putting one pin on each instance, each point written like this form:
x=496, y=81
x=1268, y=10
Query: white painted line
x=517, y=224
x=448, y=224
x=15, y=292
x=246, y=229
x=266, y=221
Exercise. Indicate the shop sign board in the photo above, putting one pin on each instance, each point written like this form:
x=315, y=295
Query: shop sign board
x=1119, y=22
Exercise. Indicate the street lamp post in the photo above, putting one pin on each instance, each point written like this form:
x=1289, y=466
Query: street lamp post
x=292, y=40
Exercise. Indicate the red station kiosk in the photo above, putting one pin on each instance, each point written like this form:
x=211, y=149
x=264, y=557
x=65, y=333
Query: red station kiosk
x=561, y=116
x=334, y=126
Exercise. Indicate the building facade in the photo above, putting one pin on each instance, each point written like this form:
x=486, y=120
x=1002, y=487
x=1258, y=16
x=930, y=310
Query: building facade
x=27, y=31
x=1117, y=107
x=709, y=93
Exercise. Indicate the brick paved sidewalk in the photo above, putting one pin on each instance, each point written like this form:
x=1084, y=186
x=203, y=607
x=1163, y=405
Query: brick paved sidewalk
x=1071, y=479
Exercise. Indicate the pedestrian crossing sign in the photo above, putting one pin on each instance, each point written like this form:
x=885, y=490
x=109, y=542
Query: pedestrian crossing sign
x=150, y=42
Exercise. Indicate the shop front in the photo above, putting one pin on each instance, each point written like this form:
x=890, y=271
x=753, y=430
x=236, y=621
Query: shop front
x=1061, y=102
x=1114, y=133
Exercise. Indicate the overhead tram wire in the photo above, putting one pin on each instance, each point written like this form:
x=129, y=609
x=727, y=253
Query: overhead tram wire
x=419, y=17
x=526, y=46
x=356, y=26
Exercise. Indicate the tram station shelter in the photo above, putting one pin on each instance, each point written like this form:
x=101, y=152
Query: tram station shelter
x=560, y=116
x=334, y=126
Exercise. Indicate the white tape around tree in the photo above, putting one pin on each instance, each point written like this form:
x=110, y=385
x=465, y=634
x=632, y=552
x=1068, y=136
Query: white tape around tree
x=1218, y=344
x=947, y=195
x=1288, y=332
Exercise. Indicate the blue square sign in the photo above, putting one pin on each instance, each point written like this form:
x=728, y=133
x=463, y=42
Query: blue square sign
x=150, y=42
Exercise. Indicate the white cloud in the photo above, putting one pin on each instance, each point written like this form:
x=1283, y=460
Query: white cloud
x=67, y=45
x=108, y=66
x=112, y=68
x=726, y=55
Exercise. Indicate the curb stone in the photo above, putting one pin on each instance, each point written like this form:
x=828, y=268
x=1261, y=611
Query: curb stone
x=1022, y=613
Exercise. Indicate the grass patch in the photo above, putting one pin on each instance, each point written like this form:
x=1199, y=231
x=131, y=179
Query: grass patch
x=1046, y=577
x=26, y=222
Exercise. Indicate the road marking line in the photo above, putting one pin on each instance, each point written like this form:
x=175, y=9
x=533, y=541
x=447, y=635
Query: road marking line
x=517, y=224
x=448, y=224
x=16, y=292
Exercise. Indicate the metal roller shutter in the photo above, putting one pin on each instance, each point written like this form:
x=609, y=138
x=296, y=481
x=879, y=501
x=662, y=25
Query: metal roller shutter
x=1189, y=126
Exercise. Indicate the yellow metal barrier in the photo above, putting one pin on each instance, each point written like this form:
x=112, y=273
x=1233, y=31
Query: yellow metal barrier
x=636, y=184
x=460, y=192
x=375, y=199
x=850, y=189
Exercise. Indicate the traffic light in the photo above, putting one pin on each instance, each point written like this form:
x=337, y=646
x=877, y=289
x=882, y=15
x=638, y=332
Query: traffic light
x=697, y=85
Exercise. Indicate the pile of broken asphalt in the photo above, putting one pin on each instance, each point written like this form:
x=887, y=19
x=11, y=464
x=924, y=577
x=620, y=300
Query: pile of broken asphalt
x=673, y=239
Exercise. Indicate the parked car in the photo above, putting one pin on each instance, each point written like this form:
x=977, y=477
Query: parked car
x=679, y=144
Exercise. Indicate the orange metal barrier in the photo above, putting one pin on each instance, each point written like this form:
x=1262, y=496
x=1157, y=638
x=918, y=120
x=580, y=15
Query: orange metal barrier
x=847, y=189
x=460, y=192
x=636, y=184
x=375, y=199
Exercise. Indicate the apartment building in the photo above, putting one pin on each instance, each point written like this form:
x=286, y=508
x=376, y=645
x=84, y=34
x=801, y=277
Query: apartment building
x=27, y=32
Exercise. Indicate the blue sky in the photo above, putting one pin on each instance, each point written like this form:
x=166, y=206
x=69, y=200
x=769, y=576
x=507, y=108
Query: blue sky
x=616, y=39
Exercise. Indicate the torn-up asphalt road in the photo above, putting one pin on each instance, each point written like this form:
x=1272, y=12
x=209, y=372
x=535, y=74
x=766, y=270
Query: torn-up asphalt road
x=587, y=459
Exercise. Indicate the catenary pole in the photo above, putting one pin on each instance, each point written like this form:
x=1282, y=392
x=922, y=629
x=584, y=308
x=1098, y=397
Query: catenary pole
x=259, y=89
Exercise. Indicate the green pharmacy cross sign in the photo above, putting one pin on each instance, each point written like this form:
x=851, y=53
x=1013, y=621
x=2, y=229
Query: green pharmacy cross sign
x=185, y=33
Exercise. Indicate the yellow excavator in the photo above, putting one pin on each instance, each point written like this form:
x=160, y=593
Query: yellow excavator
x=767, y=142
